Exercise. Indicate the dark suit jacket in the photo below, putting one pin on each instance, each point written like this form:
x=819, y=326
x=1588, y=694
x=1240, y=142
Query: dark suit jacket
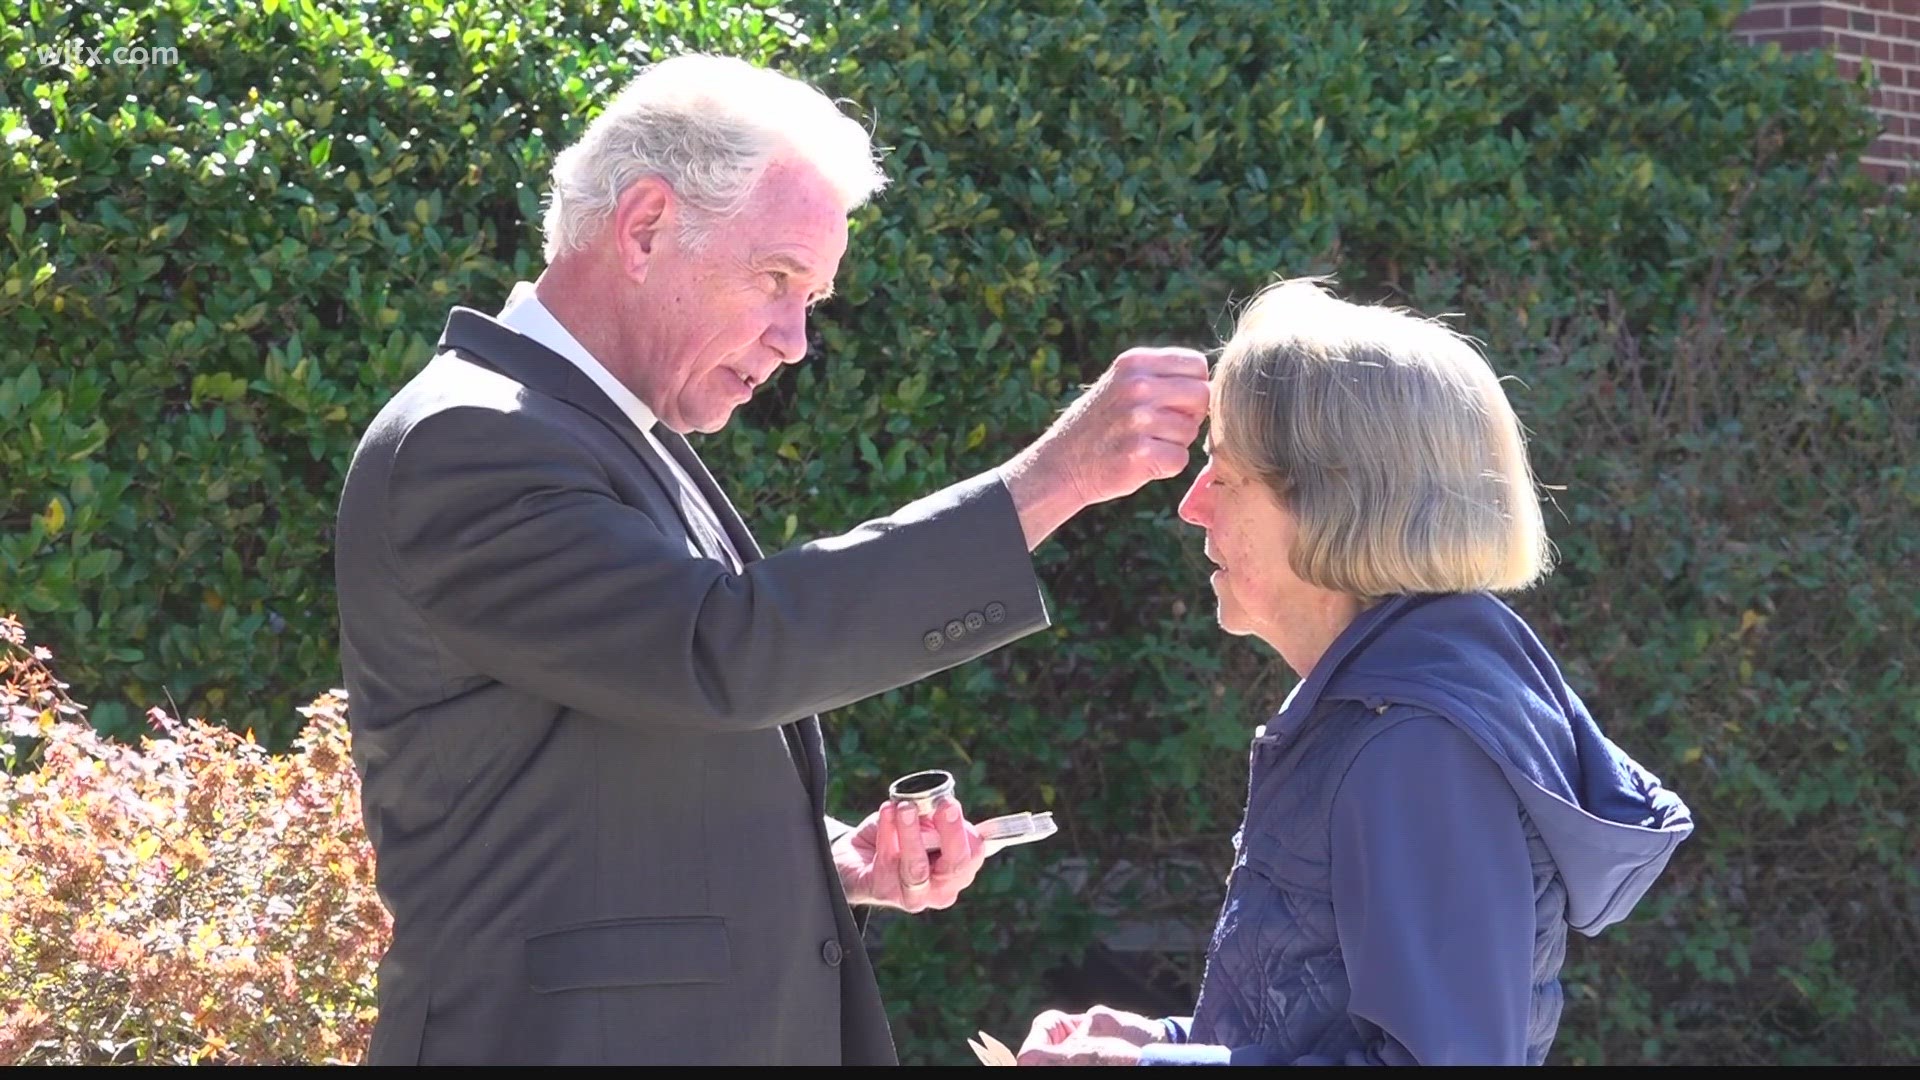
x=591, y=763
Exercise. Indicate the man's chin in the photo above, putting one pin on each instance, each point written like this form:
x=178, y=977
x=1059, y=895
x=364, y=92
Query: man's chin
x=710, y=425
x=704, y=422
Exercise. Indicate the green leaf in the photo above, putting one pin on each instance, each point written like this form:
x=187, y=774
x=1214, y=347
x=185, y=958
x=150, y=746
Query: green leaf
x=27, y=387
x=93, y=564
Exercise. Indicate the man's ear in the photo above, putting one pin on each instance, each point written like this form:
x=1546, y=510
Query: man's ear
x=640, y=219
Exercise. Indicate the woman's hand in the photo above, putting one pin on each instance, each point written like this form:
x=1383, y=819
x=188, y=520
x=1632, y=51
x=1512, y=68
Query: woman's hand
x=1099, y=1036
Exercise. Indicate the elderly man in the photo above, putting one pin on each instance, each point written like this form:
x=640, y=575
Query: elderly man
x=584, y=705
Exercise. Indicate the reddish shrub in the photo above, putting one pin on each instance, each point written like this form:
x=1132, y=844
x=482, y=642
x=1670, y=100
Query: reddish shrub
x=190, y=899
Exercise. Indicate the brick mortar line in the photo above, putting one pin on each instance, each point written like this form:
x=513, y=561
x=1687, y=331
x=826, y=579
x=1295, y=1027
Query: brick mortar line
x=1832, y=5
x=1789, y=8
x=1865, y=35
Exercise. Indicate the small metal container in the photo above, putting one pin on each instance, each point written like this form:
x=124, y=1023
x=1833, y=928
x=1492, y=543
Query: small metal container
x=922, y=789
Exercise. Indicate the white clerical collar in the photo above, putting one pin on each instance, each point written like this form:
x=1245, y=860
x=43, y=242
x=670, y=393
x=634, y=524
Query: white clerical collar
x=524, y=312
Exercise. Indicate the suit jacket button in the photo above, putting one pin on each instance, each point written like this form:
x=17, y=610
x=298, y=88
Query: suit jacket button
x=955, y=629
x=996, y=613
x=933, y=640
x=975, y=620
x=830, y=952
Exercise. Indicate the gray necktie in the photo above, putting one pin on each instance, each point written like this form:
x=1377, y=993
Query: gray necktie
x=705, y=520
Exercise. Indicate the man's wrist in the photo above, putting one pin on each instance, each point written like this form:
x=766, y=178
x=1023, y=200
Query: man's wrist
x=1043, y=499
x=846, y=865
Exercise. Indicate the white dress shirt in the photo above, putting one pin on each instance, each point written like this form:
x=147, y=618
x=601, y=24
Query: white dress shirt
x=525, y=313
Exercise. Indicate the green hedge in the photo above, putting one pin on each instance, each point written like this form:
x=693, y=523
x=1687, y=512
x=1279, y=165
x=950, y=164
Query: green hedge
x=217, y=270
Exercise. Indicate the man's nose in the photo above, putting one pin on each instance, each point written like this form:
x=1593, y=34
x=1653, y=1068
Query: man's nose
x=787, y=335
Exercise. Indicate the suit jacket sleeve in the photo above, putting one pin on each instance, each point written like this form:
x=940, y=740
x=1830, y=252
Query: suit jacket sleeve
x=509, y=539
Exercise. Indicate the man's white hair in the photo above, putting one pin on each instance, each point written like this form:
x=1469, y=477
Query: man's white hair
x=709, y=126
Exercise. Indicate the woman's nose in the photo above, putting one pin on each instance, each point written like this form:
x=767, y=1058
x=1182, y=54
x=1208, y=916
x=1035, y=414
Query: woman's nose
x=1193, y=506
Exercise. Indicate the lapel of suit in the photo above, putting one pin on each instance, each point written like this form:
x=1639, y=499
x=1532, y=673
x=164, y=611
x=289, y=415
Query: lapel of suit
x=804, y=736
x=537, y=367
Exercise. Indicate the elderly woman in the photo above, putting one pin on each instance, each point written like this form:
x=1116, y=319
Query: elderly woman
x=1433, y=807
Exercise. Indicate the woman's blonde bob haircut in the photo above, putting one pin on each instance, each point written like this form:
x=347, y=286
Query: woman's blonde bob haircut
x=1388, y=437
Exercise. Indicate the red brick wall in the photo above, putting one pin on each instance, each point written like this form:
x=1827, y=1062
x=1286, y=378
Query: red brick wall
x=1886, y=32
